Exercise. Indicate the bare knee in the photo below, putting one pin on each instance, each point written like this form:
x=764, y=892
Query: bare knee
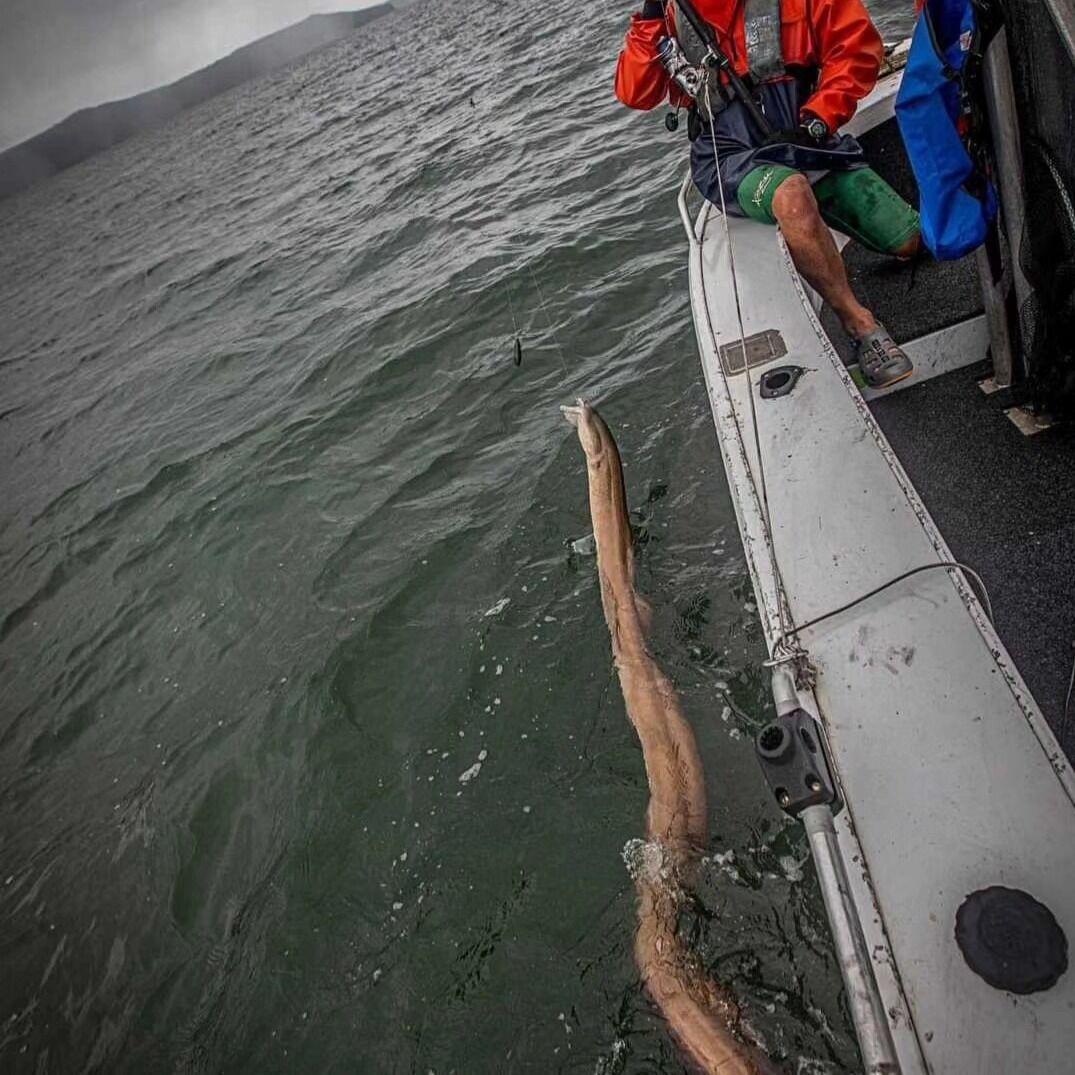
x=794, y=201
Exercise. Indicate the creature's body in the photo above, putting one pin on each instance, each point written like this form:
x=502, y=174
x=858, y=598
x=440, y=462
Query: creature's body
x=701, y=1014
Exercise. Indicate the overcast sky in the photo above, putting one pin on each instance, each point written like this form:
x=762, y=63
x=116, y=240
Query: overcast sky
x=57, y=56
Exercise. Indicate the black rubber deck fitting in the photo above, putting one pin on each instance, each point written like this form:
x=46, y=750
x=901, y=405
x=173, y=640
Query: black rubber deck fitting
x=1011, y=940
x=779, y=381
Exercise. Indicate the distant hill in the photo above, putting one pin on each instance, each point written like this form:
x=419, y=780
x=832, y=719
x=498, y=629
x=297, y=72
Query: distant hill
x=93, y=129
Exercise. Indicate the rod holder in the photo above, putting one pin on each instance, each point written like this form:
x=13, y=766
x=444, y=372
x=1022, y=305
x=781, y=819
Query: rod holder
x=794, y=760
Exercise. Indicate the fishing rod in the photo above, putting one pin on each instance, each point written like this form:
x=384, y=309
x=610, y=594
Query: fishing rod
x=715, y=59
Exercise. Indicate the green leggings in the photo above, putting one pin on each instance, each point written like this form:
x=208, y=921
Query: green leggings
x=859, y=203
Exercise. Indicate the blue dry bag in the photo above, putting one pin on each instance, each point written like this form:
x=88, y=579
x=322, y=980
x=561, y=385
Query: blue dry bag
x=957, y=204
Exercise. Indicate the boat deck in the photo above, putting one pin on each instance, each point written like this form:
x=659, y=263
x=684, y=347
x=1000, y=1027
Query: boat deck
x=1005, y=502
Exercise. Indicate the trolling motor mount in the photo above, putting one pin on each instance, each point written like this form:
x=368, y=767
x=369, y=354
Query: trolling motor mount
x=793, y=757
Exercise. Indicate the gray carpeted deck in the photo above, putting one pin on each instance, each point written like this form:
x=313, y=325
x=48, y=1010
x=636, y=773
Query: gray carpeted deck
x=1004, y=502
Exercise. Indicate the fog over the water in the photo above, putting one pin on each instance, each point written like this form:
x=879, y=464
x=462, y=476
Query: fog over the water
x=57, y=56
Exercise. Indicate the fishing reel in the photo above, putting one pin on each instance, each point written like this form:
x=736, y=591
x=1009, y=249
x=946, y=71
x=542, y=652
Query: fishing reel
x=689, y=78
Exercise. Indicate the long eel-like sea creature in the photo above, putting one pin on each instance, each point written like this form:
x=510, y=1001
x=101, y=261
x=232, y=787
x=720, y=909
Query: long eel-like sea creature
x=702, y=1015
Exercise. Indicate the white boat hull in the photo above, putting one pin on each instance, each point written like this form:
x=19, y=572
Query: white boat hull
x=952, y=779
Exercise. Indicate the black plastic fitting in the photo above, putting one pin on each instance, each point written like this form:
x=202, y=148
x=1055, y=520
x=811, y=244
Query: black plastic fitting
x=795, y=761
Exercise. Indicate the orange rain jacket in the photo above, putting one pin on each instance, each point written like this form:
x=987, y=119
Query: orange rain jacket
x=835, y=36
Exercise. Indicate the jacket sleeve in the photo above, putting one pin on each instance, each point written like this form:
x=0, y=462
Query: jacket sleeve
x=641, y=81
x=849, y=55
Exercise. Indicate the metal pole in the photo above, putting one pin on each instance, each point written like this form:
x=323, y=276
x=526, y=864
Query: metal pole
x=878, y=1050
x=1064, y=18
x=863, y=996
x=995, y=289
x=1008, y=157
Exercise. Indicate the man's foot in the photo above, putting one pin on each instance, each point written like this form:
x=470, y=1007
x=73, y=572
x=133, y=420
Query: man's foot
x=882, y=361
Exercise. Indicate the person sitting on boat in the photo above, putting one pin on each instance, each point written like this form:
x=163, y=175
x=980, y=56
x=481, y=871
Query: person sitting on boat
x=808, y=64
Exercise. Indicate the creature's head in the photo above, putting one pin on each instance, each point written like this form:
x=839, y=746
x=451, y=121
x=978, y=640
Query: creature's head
x=593, y=433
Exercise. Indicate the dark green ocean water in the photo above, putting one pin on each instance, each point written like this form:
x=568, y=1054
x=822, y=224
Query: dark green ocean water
x=311, y=754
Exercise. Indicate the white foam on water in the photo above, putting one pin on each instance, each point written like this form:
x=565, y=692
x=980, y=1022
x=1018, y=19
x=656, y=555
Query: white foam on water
x=646, y=860
x=806, y=1065
x=468, y=775
x=499, y=606
x=791, y=869
x=606, y=1065
x=726, y=862
x=584, y=546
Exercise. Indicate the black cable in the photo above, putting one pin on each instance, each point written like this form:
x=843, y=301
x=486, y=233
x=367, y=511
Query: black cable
x=947, y=564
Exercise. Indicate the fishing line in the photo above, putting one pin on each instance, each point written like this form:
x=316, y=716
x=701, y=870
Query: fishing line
x=781, y=597
x=548, y=318
x=517, y=341
x=1067, y=701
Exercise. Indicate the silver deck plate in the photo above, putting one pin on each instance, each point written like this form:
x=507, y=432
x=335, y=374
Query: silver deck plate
x=952, y=778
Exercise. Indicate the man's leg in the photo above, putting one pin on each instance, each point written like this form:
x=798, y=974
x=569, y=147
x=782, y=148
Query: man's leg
x=863, y=206
x=783, y=196
x=815, y=255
